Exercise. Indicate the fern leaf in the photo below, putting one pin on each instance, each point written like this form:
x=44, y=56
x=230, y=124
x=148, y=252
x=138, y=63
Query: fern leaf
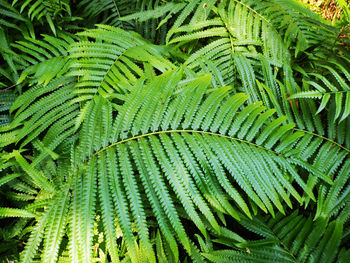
x=107, y=211
x=14, y=212
x=57, y=219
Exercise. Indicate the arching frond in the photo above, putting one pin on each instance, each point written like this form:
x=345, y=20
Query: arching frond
x=238, y=27
x=173, y=131
x=300, y=27
x=43, y=60
x=185, y=148
x=35, y=108
x=181, y=155
x=110, y=66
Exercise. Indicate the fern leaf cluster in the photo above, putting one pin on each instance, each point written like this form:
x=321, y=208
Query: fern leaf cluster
x=173, y=131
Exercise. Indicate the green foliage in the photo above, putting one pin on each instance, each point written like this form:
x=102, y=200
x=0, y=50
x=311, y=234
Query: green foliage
x=293, y=238
x=173, y=131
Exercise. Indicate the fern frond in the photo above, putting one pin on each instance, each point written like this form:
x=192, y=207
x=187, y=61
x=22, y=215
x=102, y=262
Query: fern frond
x=110, y=66
x=14, y=212
x=8, y=177
x=159, y=144
x=299, y=27
x=292, y=238
x=38, y=178
x=38, y=9
x=35, y=239
x=11, y=17
x=244, y=28
x=137, y=151
x=44, y=59
x=56, y=222
x=108, y=11
x=155, y=13
x=337, y=91
x=54, y=100
x=7, y=98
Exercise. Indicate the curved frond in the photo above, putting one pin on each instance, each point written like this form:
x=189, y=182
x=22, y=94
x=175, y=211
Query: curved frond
x=239, y=28
x=182, y=147
x=43, y=60
x=110, y=66
x=173, y=131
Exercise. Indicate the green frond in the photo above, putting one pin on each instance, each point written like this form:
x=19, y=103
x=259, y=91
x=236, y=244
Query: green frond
x=7, y=98
x=107, y=210
x=75, y=239
x=50, y=10
x=158, y=12
x=38, y=178
x=292, y=238
x=14, y=212
x=55, y=99
x=109, y=12
x=336, y=196
x=179, y=157
x=44, y=59
x=135, y=200
x=244, y=29
x=7, y=178
x=261, y=255
x=299, y=27
x=35, y=239
x=12, y=18
x=56, y=223
x=110, y=67
x=337, y=91
x=173, y=131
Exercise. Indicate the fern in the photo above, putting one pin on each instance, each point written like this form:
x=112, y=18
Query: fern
x=11, y=19
x=294, y=238
x=116, y=57
x=243, y=29
x=327, y=90
x=300, y=27
x=44, y=59
x=173, y=131
x=220, y=144
x=38, y=9
x=110, y=11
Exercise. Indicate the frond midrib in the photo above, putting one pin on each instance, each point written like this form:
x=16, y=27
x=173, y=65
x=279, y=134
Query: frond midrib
x=257, y=13
x=214, y=134
x=324, y=138
x=182, y=131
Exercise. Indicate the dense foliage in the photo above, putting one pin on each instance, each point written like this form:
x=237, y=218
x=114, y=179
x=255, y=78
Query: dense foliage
x=173, y=131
